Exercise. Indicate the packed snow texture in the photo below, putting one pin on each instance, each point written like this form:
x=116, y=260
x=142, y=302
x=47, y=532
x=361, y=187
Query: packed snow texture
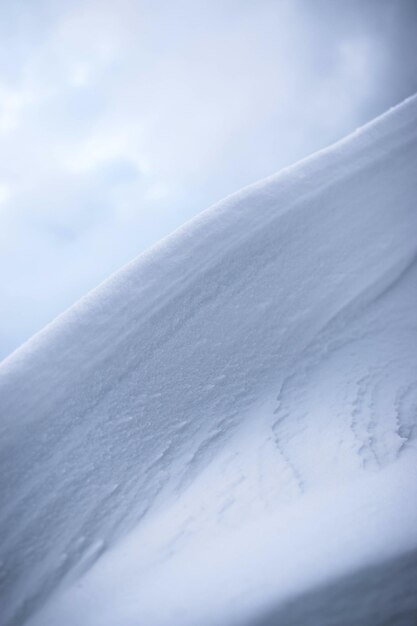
x=229, y=422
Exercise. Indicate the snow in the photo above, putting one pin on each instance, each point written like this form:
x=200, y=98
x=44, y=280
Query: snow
x=230, y=420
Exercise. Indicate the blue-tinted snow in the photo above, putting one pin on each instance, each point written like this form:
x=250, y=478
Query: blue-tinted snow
x=241, y=399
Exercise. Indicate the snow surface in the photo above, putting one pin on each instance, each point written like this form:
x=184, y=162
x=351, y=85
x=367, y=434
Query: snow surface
x=229, y=421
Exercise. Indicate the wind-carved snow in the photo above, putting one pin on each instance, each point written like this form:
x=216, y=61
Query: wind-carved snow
x=231, y=419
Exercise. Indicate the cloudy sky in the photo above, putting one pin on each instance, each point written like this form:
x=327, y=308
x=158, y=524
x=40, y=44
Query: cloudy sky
x=121, y=119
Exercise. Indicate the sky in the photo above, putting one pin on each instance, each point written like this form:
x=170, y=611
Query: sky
x=120, y=120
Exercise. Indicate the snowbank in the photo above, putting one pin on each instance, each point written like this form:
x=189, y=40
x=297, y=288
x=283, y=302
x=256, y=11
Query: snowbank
x=241, y=398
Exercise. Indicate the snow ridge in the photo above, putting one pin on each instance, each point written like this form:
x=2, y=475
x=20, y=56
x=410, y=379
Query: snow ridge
x=199, y=383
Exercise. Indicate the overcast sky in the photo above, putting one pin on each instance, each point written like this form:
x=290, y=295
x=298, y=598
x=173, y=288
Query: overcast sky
x=121, y=119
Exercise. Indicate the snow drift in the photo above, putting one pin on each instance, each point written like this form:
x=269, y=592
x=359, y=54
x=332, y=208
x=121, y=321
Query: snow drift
x=230, y=420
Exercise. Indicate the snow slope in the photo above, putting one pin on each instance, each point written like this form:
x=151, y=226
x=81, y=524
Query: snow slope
x=230, y=420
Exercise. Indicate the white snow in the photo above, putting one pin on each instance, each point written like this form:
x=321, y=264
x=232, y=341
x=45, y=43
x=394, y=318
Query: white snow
x=230, y=420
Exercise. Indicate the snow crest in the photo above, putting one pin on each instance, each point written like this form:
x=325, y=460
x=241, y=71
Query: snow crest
x=232, y=417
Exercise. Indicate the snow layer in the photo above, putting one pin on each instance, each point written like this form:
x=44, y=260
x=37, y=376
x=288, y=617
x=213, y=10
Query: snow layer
x=242, y=399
